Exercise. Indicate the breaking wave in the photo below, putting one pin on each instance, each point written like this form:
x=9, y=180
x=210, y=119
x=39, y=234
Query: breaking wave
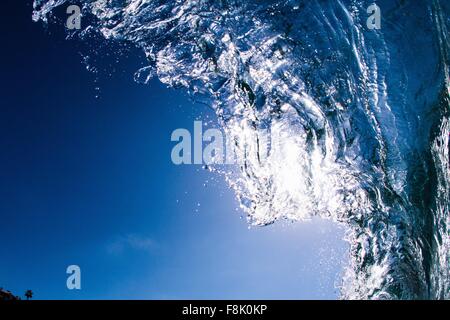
x=361, y=116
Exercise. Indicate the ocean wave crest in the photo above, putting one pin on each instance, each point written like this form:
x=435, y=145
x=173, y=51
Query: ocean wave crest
x=328, y=117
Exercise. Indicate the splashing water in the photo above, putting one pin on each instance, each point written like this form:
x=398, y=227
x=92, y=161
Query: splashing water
x=358, y=119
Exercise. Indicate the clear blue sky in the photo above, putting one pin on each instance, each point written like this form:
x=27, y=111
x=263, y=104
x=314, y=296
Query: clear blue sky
x=90, y=182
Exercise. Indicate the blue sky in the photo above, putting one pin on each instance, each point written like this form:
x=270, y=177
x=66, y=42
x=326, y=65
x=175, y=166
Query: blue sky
x=89, y=181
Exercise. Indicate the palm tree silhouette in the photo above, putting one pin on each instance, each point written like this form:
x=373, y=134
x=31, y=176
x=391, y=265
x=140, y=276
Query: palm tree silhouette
x=29, y=294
